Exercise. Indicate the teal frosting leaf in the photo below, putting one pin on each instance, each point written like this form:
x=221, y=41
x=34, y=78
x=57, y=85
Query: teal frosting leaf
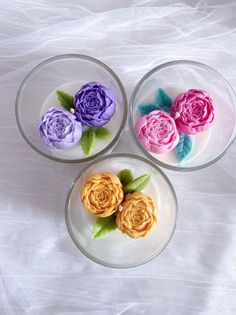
x=163, y=101
x=145, y=109
x=184, y=147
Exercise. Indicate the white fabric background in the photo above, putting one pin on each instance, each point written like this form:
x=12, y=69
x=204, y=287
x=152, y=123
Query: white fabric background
x=42, y=272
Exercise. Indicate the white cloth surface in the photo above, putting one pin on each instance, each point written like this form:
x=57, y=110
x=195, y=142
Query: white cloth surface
x=41, y=270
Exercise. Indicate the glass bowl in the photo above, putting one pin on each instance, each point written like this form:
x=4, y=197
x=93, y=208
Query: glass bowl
x=174, y=78
x=37, y=94
x=118, y=250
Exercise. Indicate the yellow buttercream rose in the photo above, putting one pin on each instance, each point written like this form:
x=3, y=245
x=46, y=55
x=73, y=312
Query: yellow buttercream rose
x=102, y=194
x=137, y=215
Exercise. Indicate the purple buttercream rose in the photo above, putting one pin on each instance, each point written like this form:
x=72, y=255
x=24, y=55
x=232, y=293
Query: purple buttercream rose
x=60, y=129
x=94, y=104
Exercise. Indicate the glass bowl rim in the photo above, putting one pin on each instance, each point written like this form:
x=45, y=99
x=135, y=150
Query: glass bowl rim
x=131, y=128
x=74, y=239
x=79, y=57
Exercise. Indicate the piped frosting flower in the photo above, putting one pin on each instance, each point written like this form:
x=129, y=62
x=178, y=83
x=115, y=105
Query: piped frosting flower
x=193, y=111
x=94, y=104
x=137, y=215
x=60, y=129
x=102, y=194
x=157, y=132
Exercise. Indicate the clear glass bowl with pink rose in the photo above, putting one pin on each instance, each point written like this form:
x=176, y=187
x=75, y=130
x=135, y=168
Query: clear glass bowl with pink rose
x=183, y=115
x=71, y=108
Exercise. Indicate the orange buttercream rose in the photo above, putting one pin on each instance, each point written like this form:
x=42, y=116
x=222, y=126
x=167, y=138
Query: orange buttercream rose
x=102, y=194
x=137, y=215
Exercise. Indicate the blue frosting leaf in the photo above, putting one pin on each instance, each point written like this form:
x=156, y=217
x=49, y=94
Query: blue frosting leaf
x=184, y=147
x=163, y=101
x=145, y=109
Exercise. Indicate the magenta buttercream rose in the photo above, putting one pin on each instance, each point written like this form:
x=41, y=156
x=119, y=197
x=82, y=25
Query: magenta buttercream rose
x=157, y=132
x=193, y=111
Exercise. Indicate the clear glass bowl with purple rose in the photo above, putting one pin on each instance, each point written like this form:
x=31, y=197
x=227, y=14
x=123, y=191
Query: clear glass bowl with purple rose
x=71, y=108
x=182, y=115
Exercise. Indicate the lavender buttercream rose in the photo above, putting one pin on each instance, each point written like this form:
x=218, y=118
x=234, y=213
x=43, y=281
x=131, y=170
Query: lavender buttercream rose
x=94, y=104
x=193, y=111
x=60, y=129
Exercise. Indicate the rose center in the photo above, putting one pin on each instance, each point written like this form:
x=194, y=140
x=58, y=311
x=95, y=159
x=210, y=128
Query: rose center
x=92, y=102
x=196, y=110
x=102, y=196
x=161, y=129
x=58, y=126
x=137, y=218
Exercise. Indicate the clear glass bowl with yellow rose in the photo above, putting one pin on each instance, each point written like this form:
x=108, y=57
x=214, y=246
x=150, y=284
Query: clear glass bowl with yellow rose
x=114, y=225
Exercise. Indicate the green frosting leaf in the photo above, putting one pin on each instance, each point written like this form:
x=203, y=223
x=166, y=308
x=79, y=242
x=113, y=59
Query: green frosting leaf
x=66, y=100
x=87, y=141
x=125, y=176
x=102, y=133
x=138, y=184
x=184, y=147
x=103, y=227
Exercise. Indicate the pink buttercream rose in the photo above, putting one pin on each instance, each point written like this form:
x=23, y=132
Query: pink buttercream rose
x=193, y=111
x=157, y=132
